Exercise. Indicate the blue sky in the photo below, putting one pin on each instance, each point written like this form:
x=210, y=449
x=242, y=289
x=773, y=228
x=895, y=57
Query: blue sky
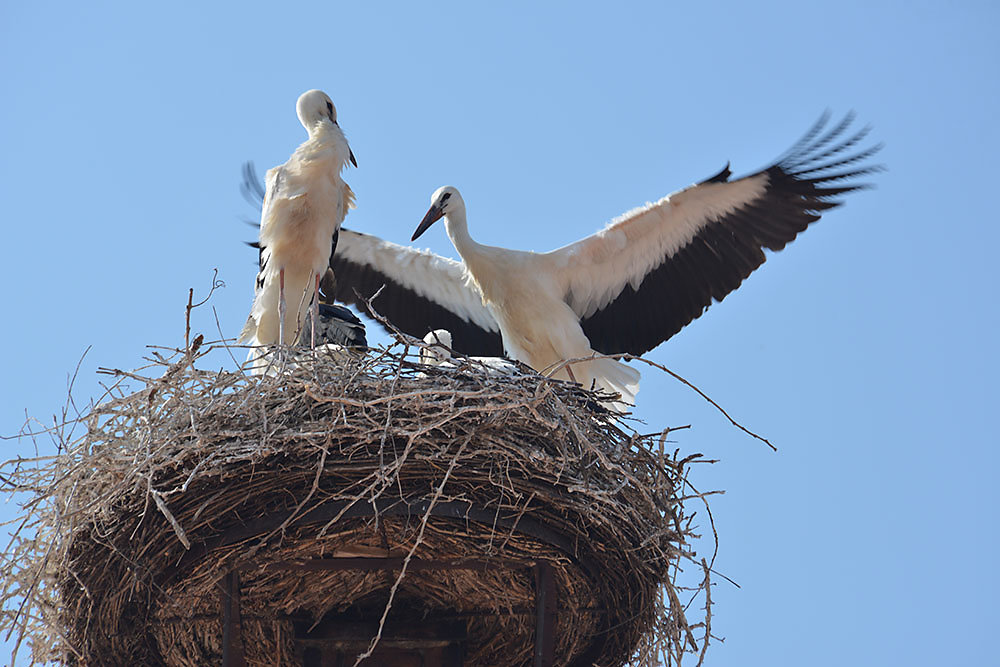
x=866, y=350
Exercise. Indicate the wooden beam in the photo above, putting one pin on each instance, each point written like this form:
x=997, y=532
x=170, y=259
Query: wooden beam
x=232, y=628
x=545, y=615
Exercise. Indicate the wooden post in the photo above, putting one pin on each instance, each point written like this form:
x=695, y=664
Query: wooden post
x=232, y=629
x=545, y=615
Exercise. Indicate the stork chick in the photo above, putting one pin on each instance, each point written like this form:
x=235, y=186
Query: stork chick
x=437, y=352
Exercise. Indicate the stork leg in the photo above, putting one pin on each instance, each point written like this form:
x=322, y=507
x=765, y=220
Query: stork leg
x=315, y=312
x=281, y=307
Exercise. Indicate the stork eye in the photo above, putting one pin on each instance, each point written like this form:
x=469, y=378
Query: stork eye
x=445, y=197
x=329, y=106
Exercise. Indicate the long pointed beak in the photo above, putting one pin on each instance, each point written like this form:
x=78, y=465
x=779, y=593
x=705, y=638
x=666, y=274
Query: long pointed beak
x=353, y=161
x=434, y=213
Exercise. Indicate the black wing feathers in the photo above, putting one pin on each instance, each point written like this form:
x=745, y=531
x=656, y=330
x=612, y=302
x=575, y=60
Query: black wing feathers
x=337, y=325
x=802, y=184
x=408, y=311
x=250, y=186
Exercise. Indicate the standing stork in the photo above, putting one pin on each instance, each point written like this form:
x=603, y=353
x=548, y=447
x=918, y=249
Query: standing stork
x=526, y=295
x=304, y=203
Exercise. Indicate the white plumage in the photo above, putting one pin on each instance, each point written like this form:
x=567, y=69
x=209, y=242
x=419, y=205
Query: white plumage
x=305, y=202
x=437, y=349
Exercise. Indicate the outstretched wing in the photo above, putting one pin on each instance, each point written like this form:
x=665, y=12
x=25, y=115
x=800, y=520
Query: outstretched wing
x=653, y=270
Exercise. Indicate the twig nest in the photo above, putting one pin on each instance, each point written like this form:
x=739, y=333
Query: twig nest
x=198, y=474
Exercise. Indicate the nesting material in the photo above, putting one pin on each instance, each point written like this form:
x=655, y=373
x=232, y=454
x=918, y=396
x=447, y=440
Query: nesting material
x=189, y=474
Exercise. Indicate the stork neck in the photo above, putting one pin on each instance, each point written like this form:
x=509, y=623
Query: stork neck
x=324, y=132
x=327, y=141
x=458, y=231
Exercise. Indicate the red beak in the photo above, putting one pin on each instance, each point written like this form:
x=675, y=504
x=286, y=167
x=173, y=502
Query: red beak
x=434, y=213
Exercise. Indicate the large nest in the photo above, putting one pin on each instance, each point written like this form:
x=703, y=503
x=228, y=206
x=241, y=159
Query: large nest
x=184, y=477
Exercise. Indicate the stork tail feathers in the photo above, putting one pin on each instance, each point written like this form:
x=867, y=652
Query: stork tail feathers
x=611, y=376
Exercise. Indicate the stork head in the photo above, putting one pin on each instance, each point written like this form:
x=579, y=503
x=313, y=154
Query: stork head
x=433, y=353
x=444, y=201
x=314, y=108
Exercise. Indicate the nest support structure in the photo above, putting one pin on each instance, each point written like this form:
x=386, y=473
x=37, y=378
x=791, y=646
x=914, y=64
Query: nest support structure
x=208, y=515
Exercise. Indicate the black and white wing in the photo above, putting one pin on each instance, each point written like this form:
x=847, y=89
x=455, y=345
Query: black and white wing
x=420, y=291
x=655, y=269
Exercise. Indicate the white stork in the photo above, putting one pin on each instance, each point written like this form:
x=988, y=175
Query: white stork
x=628, y=287
x=304, y=204
x=525, y=292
